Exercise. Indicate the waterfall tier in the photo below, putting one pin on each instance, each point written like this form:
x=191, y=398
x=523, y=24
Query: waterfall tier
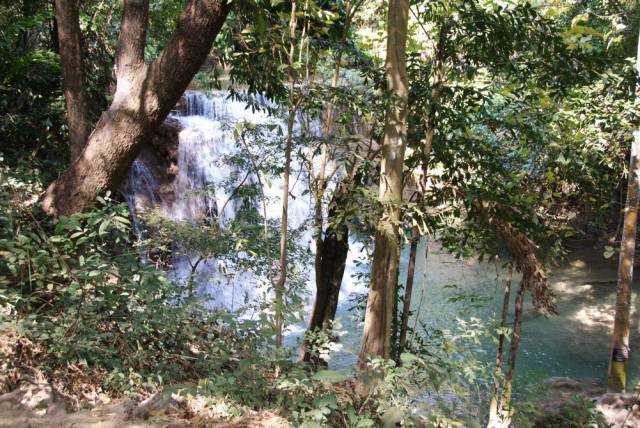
x=211, y=165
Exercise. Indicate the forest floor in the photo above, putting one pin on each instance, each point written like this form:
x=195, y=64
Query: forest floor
x=35, y=404
x=118, y=414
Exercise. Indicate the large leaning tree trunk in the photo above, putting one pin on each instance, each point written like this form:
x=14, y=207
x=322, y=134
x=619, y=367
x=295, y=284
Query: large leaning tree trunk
x=145, y=94
x=617, y=376
x=376, y=340
x=73, y=78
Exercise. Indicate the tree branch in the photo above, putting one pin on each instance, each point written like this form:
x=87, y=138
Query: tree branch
x=132, y=38
x=187, y=49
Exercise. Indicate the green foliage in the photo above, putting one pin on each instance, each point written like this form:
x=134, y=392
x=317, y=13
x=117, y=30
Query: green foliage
x=527, y=120
x=256, y=39
x=77, y=288
x=31, y=104
x=534, y=115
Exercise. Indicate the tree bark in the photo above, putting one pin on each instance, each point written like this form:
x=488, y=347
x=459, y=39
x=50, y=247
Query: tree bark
x=378, y=318
x=495, y=407
x=617, y=375
x=330, y=271
x=406, y=301
x=505, y=409
x=145, y=94
x=282, y=278
x=73, y=78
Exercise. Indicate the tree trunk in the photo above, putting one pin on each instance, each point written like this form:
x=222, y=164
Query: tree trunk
x=26, y=35
x=505, y=411
x=280, y=285
x=496, y=403
x=406, y=301
x=617, y=377
x=376, y=341
x=330, y=271
x=73, y=79
x=145, y=94
x=430, y=125
x=332, y=250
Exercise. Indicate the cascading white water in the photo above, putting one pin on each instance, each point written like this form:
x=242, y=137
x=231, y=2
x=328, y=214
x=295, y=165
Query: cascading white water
x=206, y=144
x=141, y=192
x=203, y=188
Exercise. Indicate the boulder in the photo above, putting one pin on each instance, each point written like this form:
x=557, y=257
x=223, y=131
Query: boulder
x=620, y=410
x=33, y=395
x=563, y=383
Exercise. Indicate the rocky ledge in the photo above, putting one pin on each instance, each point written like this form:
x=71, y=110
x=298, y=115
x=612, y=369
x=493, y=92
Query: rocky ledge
x=616, y=409
x=160, y=159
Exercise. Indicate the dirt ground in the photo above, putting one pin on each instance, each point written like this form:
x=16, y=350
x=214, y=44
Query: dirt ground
x=33, y=406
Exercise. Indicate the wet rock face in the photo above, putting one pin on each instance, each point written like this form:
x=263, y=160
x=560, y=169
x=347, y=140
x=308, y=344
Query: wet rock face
x=160, y=157
x=181, y=106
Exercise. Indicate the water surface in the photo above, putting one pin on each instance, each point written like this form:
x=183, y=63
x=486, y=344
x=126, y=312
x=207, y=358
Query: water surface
x=575, y=343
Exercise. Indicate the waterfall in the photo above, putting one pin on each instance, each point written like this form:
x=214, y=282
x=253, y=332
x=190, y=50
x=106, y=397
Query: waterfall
x=203, y=189
x=141, y=193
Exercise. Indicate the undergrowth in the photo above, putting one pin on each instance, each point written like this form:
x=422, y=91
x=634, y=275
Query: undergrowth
x=83, y=306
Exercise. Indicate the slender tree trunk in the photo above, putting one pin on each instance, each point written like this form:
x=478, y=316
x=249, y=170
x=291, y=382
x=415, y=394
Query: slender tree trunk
x=617, y=377
x=53, y=34
x=406, y=303
x=331, y=251
x=534, y=279
x=430, y=125
x=280, y=286
x=424, y=284
x=320, y=181
x=73, y=79
x=495, y=406
x=145, y=94
x=25, y=39
x=376, y=340
x=505, y=410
